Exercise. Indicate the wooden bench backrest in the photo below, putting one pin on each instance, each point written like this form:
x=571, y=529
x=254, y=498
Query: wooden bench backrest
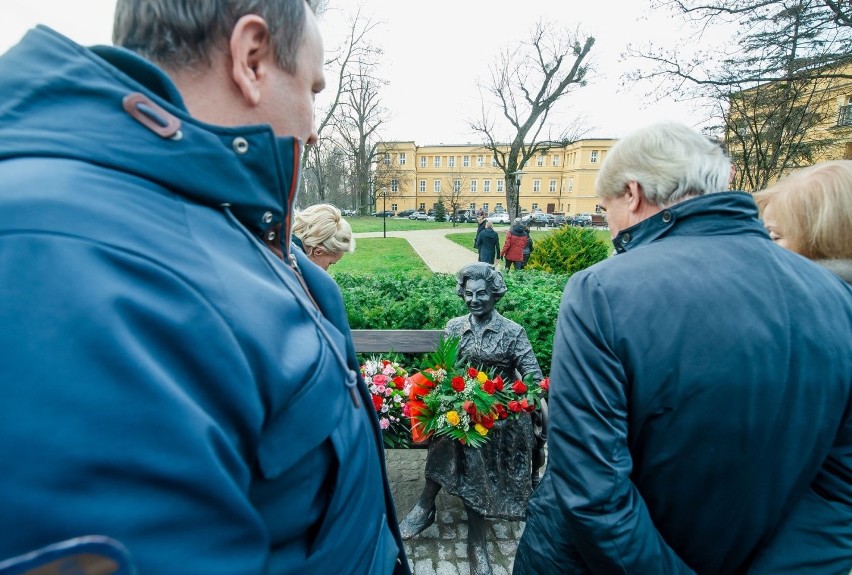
x=398, y=340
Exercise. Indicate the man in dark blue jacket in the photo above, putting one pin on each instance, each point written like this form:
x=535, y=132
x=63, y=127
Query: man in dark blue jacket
x=701, y=387
x=171, y=376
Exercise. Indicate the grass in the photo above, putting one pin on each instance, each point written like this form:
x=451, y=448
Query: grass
x=362, y=224
x=373, y=255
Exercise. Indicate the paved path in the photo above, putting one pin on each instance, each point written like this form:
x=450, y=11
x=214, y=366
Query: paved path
x=439, y=253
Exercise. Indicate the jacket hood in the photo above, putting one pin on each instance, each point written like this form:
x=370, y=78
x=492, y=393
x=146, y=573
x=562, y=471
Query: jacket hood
x=110, y=107
x=689, y=218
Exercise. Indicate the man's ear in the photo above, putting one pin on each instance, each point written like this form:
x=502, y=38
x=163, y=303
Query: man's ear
x=251, y=53
x=634, y=197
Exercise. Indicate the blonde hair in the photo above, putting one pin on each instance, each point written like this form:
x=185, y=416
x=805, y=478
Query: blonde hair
x=813, y=207
x=322, y=226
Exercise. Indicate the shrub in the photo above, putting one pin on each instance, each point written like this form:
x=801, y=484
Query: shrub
x=568, y=250
x=395, y=301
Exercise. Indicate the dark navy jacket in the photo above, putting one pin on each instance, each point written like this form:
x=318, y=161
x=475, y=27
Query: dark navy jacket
x=167, y=378
x=700, y=407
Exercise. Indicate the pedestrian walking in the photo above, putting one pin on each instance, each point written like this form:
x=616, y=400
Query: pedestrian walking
x=487, y=243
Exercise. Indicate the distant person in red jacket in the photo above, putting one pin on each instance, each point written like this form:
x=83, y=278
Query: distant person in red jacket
x=513, y=248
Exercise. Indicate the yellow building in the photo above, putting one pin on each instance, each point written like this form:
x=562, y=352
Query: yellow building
x=561, y=180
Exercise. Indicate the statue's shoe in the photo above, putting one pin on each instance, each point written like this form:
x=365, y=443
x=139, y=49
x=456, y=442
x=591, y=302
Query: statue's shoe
x=417, y=520
x=477, y=557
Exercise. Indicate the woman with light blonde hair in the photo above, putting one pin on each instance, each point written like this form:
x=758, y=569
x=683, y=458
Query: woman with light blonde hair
x=323, y=234
x=810, y=212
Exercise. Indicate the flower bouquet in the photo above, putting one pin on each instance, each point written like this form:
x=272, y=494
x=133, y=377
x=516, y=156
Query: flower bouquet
x=523, y=396
x=388, y=385
x=450, y=399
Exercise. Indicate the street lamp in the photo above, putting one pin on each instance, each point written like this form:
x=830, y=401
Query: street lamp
x=384, y=212
x=518, y=175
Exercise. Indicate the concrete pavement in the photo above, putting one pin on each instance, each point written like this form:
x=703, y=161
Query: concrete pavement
x=439, y=253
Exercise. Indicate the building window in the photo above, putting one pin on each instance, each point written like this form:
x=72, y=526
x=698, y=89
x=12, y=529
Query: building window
x=451, y=161
x=598, y=209
x=422, y=206
x=422, y=161
x=493, y=162
x=466, y=161
x=485, y=207
x=570, y=184
x=456, y=186
x=394, y=186
x=471, y=206
x=480, y=161
x=473, y=186
x=500, y=186
x=536, y=186
x=593, y=158
x=499, y=207
x=422, y=186
x=402, y=159
x=535, y=206
x=387, y=158
x=437, y=162
x=486, y=186
x=394, y=207
x=552, y=186
x=844, y=117
x=554, y=160
x=539, y=161
x=436, y=186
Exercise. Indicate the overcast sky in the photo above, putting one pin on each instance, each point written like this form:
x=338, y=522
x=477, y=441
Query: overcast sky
x=435, y=54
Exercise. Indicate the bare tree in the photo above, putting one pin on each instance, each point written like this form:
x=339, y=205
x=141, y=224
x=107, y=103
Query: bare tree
x=769, y=87
x=527, y=82
x=456, y=193
x=354, y=54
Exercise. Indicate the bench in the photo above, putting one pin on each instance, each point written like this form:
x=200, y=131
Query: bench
x=398, y=340
x=599, y=221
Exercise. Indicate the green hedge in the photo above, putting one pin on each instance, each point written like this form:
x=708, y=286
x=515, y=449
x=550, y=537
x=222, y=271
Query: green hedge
x=407, y=302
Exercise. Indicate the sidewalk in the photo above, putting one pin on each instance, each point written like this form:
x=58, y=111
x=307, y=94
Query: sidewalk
x=439, y=253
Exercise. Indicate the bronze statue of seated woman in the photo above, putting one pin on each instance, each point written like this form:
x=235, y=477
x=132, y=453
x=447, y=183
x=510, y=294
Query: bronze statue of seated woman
x=496, y=479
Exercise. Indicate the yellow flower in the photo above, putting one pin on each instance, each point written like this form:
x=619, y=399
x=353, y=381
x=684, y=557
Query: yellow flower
x=480, y=429
x=453, y=418
x=481, y=377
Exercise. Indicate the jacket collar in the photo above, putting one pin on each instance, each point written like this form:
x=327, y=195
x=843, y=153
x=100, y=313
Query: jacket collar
x=713, y=214
x=246, y=168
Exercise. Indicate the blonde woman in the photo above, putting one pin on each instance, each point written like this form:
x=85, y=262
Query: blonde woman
x=323, y=234
x=810, y=212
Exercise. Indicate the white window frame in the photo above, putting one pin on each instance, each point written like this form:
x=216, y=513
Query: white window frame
x=553, y=186
x=570, y=184
x=465, y=161
x=500, y=183
x=387, y=158
x=436, y=162
x=423, y=161
x=539, y=160
x=394, y=207
x=451, y=161
x=436, y=186
x=554, y=161
x=394, y=185
x=422, y=186
x=486, y=186
x=473, y=186
x=480, y=161
x=593, y=157
x=456, y=186
x=536, y=186
x=401, y=158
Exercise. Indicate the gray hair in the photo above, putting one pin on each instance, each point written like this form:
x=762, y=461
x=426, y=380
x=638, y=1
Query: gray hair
x=184, y=33
x=322, y=226
x=670, y=161
x=481, y=271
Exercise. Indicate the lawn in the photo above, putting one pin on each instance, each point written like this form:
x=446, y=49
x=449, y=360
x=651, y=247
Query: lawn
x=372, y=256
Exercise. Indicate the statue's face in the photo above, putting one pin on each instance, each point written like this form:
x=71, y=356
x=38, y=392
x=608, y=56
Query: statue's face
x=478, y=298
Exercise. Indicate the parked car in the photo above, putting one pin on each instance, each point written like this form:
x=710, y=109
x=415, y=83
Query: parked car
x=557, y=220
x=405, y=213
x=348, y=212
x=420, y=216
x=499, y=218
x=384, y=214
x=581, y=220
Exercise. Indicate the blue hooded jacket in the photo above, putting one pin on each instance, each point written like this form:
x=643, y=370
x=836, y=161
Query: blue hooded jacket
x=168, y=377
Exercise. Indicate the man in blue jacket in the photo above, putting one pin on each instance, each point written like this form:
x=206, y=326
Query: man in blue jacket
x=701, y=387
x=172, y=376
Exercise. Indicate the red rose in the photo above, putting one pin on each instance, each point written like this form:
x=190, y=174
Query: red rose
x=498, y=383
x=469, y=407
x=488, y=421
x=406, y=409
x=458, y=384
x=399, y=382
x=527, y=406
x=488, y=387
x=545, y=384
x=519, y=387
x=501, y=411
x=377, y=402
x=514, y=406
x=472, y=372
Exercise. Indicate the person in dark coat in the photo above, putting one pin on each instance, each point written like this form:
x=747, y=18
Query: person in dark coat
x=701, y=387
x=487, y=243
x=517, y=239
x=173, y=376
